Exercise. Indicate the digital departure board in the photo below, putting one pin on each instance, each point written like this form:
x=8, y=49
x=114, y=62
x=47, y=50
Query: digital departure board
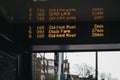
x=47, y=22
x=79, y=33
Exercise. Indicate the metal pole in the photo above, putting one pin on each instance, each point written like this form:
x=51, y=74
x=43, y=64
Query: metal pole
x=44, y=66
x=18, y=67
x=62, y=69
x=59, y=66
x=96, y=65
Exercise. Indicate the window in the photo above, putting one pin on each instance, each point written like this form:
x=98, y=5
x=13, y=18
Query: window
x=51, y=70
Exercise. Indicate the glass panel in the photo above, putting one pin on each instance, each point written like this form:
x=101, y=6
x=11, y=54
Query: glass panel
x=76, y=65
x=8, y=69
x=82, y=64
x=109, y=64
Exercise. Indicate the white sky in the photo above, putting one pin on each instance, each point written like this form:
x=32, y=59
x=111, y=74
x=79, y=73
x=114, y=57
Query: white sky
x=108, y=62
x=78, y=58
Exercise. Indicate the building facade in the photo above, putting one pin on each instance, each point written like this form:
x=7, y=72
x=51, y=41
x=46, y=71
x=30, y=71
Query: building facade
x=45, y=69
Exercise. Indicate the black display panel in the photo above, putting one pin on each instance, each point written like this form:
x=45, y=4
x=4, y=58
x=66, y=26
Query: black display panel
x=59, y=22
x=61, y=10
x=60, y=34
